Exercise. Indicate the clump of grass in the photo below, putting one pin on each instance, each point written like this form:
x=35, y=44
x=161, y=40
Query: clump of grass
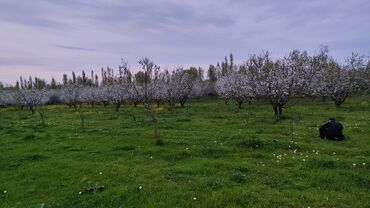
x=92, y=188
x=215, y=152
x=183, y=120
x=168, y=124
x=29, y=158
x=213, y=184
x=114, y=117
x=178, y=156
x=72, y=148
x=258, y=131
x=33, y=157
x=242, y=169
x=239, y=177
x=325, y=163
x=3, y=192
x=251, y=143
x=279, y=181
x=159, y=142
x=216, y=117
x=125, y=148
x=29, y=137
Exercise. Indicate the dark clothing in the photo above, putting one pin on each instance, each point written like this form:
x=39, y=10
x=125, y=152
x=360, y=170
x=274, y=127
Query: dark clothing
x=331, y=130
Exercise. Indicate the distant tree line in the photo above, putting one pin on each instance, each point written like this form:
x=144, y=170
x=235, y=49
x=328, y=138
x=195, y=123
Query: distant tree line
x=259, y=77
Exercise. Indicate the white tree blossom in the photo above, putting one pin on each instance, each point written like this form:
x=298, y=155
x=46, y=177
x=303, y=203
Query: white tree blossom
x=118, y=93
x=71, y=95
x=90, y=95
x=178, y=86
x=337, y=82
x=281, y=80
x=198, y=90
x=103, y=95
x=33, y=97
x=235, y=85
x=7, y=98
x=356, y=65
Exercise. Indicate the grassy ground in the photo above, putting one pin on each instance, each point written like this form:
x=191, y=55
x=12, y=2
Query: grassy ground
x=212, y=156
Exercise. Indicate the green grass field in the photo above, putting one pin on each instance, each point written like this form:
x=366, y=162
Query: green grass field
x=212, y=156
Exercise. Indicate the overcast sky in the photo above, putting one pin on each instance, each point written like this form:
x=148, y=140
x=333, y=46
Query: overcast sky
x=51, y=37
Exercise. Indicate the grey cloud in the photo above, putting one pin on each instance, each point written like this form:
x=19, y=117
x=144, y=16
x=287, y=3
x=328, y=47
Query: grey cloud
x=74, y=48
x=27, y=13
x=72, y=34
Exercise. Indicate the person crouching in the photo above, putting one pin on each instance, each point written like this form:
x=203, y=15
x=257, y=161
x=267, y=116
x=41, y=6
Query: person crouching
x=332, y=130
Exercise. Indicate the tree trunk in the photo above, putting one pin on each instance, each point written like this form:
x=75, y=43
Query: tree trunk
x=32, y=110
x=240, y=103
x=117, y=107
x=155, y=122
x=338, y=102
x=275, y=108
x=82, y=118
x=280, y=109
x=42, y=118
x=153, y=114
